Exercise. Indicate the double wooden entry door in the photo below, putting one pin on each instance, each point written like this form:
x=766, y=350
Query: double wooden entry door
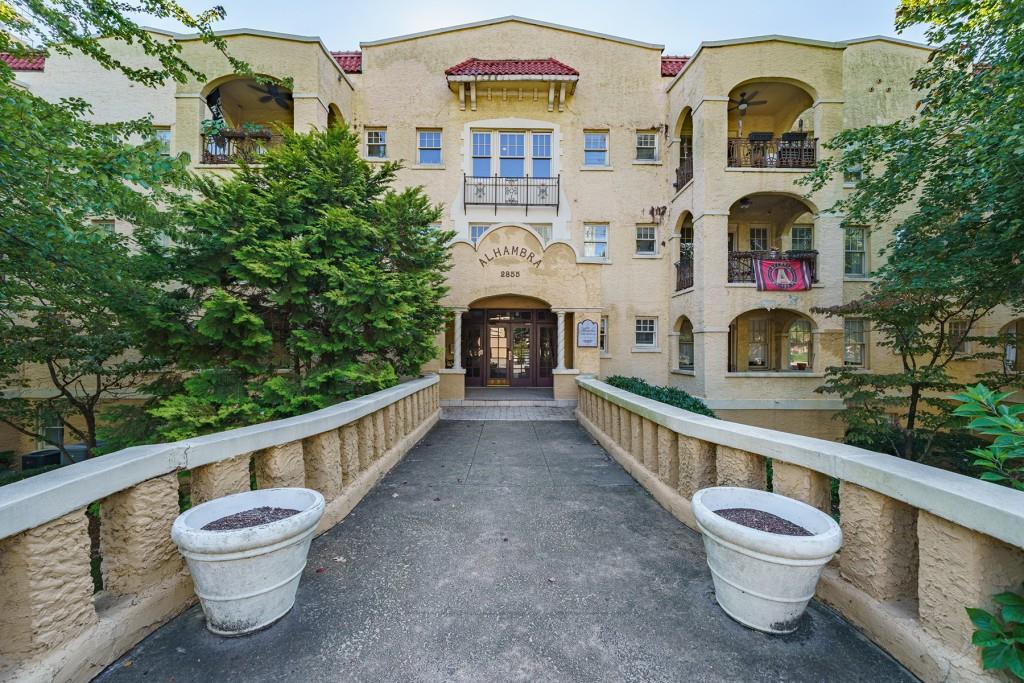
x=508, y=348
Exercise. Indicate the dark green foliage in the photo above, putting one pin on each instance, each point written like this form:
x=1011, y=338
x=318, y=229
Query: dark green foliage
x=1001, y=460
x=13, y=476
x=303, y=282
x=670, y=395
x=1001, y=636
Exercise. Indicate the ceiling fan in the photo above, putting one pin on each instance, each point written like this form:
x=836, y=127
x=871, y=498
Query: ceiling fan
x=745, y=102
x=274, y=92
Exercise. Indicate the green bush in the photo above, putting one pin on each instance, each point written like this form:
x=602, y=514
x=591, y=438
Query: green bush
x=670, y=395
x=1003, y=459
x=1001, y=637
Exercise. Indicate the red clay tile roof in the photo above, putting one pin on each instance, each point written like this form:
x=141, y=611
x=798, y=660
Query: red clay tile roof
x=23, y=63
x=673, y=64
x=511, y=67
x=351, y=62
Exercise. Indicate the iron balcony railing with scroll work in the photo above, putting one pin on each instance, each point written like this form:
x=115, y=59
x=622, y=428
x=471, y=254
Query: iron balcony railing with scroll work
x=684, y=173
x=511, y=191
x=684, y=268
x=232, y=146
x=755, y=152
x=741, y=263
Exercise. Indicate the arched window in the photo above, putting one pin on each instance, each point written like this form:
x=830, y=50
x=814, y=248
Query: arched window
x=685, y=341
x=799, y=344
x=1013, y=356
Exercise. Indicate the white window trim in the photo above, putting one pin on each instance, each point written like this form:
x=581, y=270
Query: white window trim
x=528, y=133
x=603, y=338
x=439, y=148
x=866, y=273
x=607, y=241
x=366, y=143
x=636, y=147
x=653, y=346
x=866, y=345
x=636, y=238
x=607, y=149
x=967, y=345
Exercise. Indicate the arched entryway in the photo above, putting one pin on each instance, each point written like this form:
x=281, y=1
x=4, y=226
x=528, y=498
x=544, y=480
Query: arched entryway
x=509, y=341
x=776, y=340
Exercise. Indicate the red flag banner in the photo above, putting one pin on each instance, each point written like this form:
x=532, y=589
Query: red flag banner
x=782, y=275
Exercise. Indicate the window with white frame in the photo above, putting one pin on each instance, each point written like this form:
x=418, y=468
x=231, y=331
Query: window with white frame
x=958, y=331
x=602, y=335
x=856, y=251
x=757, y=343
x=377, y=143
x=541, y=155
x=595, y=240
x=758, y=238
x=646, y=240
x=802, y=238
x=51, y=428
x=799, y=343
x=477, y=231
x=855, y=343
x=162, y=135
x=646, y=146
x=645, y=332
x=595, y=148
x=511, y=155
x=543, y=229
x=482, y=154
x=685, y=344
x=428, y=147
x=1013, y=350
x=686, y=234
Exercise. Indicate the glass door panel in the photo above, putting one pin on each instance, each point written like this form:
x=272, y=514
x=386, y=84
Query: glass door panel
x=522, y=366
x=473, y=353
x=497, y=354
x=546, y=343
x=511, y=155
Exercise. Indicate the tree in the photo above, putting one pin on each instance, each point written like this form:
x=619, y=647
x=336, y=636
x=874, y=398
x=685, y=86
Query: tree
x=69, y=292
x=958, y=165
x=305, y=281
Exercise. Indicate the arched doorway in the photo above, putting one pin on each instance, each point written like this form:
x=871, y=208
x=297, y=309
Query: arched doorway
x=777, y=340
x=509, y=341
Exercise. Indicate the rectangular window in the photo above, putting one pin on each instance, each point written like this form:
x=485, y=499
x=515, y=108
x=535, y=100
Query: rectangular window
x=163, y=137
x=686, y=348
x=595, y=241
x=646, y=332
x=595, y=149
x=377, y=143
x=543, y=229
x=758, y=238
x=51, y=429
x=602, y=335
x=646, y=146
x=802, y=238
x=542, y=155
x=511, y=155
x=855, y=343
x=428, y=147
x=105, y=224
x=958, y=330
x=856, y=260
x=646, y=240
x=757, y=345
x=476, y=232
x=481, y=155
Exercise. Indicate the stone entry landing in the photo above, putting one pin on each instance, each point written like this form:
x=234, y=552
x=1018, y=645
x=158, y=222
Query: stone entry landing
x=508, y=551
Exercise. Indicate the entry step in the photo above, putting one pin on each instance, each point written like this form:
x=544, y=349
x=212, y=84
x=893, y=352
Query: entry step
x=509, y=403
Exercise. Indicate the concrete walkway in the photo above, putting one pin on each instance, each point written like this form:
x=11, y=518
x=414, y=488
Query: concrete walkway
x=500, y=551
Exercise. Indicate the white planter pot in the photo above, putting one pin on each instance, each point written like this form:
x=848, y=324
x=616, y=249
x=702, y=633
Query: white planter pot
x=764, y=580
x=246, y=578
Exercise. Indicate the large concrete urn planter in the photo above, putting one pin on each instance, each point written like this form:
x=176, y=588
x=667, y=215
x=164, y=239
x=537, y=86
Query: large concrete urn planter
x=764, y=580
x=246, y=578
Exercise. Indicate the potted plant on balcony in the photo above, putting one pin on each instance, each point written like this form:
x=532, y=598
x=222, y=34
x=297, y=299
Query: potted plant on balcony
x=766, y=553
x=246, y=553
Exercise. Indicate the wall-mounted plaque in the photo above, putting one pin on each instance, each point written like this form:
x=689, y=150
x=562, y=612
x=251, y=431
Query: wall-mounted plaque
x=586, y=334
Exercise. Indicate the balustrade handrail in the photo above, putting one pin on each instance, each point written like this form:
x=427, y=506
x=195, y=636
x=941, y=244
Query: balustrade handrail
x=774, y=153
x=525, y=191
x=45, y=497
x=741, y=263
x=996, y=511
x=231, y=146
x=684, y=273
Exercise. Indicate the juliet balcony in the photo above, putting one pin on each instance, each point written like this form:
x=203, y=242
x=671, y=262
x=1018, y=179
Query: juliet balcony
x=521, y=191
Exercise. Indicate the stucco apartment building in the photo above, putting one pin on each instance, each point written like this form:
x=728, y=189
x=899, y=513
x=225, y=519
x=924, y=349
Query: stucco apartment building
x=617, y=210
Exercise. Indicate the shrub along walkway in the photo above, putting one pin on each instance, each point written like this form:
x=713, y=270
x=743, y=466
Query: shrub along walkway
x=508, y=551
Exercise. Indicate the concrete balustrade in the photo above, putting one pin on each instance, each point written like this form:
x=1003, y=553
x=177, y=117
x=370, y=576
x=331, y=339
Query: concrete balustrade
x=920, y=543
x=52, y=625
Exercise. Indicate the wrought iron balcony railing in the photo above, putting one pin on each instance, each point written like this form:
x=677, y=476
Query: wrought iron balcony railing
x=508, y=191
x=684, y=173
x=782, y=152
x=741, y=263
x=233, y=146
x=684, y=273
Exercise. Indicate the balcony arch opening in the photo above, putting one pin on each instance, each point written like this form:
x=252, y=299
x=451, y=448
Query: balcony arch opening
x=334, y=116
x=683, y=137
x=683, y=330
x=1013, y=346
x=771, y=124
x=684, y=264
x=244, y=118
x=772, y=340
x=770, y=225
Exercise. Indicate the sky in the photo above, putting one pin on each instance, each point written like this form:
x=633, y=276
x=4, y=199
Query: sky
x=679, y=25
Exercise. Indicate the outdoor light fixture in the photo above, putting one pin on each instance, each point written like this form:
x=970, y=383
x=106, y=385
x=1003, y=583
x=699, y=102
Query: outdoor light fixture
x=745, y=203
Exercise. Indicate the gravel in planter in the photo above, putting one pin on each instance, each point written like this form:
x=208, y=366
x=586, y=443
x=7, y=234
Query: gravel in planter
x=248, y=518
x=762, y=521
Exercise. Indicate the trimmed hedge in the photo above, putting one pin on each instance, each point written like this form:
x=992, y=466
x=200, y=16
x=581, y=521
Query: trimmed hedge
x=670, y=395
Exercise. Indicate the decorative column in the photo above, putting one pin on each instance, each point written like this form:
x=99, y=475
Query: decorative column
x=457, y=340
x=560, y=329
